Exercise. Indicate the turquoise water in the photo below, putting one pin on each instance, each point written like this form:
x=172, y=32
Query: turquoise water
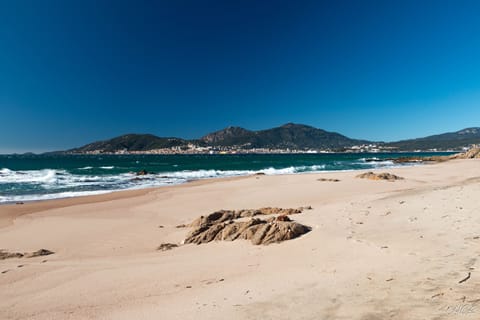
x=38, y=177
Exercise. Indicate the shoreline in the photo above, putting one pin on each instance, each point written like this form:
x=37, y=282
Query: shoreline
x=30, y=206
x=158, y=180
x=199, y=180
x=18, y=208
x=11, y=211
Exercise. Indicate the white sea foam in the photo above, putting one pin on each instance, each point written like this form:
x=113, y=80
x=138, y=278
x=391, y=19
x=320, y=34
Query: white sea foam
x=386, y=163
x=50, y=196
x=5, y=171
x=29, y=176
x=292, y=170
x=204, y=174
x=273, y=171
x=309, y=168
x=107, y=167
x=378, y=164
x=53, y=184
x=85, y=168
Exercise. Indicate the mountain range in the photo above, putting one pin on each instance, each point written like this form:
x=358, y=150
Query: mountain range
x=450, y=140
x=289, y=136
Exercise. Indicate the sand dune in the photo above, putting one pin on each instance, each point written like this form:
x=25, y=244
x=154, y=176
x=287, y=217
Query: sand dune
x=406, y=249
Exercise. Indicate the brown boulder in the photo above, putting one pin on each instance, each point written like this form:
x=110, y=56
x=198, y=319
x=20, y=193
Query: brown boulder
x=275, y=210
x=215, y=217
x=421, y=159
x=283, y=218
x=473, y=153
x=222, y=226
x=142, y=172
x=167, y=246
x=278, y=231
x=228, y=215
x=329, y=180
x=256, y=230
x=379, y=176
x=8, y=255
x=470, y=154
x=39, y=253
x=239, y=230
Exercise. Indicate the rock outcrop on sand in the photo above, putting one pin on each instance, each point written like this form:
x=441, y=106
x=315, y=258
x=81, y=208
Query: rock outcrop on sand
x=39, y=253
x=328, y=179
x=224, y=225
x=228, y=215
x=420, y=159
x=379, y=176
x=167, y=246
x=8, y=255
x=473, y=153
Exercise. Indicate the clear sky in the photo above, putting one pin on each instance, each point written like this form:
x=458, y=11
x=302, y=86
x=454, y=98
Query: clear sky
x=72, y=72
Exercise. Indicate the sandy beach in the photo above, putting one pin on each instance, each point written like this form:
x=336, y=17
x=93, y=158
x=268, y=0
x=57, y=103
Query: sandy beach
x=406, y=249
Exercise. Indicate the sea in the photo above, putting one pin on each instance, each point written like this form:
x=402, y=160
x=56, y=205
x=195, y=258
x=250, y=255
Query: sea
x=52, y=176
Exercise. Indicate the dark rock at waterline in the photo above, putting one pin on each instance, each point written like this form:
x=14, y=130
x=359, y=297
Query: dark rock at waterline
x=375, y=160
x=143, y=172
x=470, y=154
x=420, y=159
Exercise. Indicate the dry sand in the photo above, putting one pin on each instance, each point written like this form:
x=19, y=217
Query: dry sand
x=377, y=250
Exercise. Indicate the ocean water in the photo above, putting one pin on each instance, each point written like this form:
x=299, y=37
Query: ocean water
x=41, y=177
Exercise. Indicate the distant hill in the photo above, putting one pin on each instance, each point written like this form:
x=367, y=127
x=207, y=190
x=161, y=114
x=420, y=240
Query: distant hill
x=131, y=142
x=229, y=136
x=445, y=141
x=290, y=135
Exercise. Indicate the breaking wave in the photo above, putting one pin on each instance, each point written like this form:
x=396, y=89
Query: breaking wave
x=31, y=185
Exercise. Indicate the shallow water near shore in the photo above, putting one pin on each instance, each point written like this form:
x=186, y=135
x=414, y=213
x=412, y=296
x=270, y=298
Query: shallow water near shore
x=42, y=177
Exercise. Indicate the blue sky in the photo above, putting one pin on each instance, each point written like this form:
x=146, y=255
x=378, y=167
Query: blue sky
x=72, y=72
